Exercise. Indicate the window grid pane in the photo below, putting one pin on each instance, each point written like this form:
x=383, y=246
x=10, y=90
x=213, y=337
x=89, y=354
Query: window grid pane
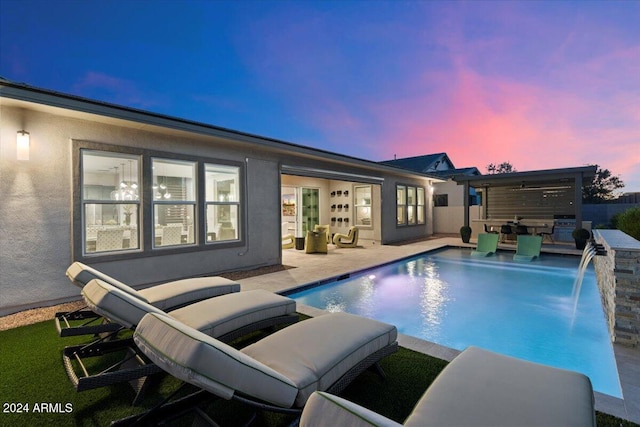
x=111, y=202
x=362, y=199
x=222, y=190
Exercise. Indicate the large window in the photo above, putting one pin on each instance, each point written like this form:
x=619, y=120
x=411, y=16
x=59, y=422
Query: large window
x=174, y=202
x=222, y=202
x=132, y=202
x=410, y=202
x=362, y=199
x=110, y=202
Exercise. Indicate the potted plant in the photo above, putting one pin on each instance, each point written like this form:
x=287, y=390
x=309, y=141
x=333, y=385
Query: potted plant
x=465, y=233
x=580, y=235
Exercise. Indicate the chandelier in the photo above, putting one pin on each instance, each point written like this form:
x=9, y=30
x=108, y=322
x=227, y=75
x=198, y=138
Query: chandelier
x=127, y=190
x=160, y=191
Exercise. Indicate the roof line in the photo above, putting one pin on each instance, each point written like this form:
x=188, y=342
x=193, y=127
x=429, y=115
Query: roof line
x=128, y=113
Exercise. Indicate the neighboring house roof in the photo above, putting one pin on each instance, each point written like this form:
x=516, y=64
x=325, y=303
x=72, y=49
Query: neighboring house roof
x=453, y=173
x=429, y=163
x=435, y=164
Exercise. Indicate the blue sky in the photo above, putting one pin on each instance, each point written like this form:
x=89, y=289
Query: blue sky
x=539, y=84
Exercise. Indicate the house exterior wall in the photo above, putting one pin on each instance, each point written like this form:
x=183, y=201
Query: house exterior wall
x=37, y=214
x=35, y=249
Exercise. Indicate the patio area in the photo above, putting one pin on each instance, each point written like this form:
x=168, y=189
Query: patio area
x=317, y=268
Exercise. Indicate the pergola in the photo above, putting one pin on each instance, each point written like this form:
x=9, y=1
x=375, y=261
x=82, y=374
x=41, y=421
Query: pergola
x=541, y=194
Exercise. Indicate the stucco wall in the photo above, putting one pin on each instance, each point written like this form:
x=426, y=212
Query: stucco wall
x=35, y=210
x=36, y=213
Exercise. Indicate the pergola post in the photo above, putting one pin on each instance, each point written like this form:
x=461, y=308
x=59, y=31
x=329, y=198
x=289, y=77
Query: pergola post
x=466, y=203
x=577, y=197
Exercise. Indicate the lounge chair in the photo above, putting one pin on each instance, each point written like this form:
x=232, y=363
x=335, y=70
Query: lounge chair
x=528, y=248
x=226, y=317
x=316, y=242
x=487, y=244
x=166, y=297
x=478, y=388
x=326, y=228
x=349, y=240
x=277, y=373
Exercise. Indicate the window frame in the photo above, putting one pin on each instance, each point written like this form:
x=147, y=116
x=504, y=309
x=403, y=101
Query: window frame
x=145, y=211
x=85, y=201
x=358, y=205
x=419, y=209
x=162, y=202
x=237, y=203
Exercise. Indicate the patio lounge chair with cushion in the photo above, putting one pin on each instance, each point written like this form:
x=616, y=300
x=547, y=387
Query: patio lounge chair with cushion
x=528, y=248
x=226, y=317
x=487, y=244
x=167, y=296
x=349, y=240
x=478, y=388
x=277, y=373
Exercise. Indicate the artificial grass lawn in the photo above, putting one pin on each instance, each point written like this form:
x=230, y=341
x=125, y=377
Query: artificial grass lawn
x=33, y=374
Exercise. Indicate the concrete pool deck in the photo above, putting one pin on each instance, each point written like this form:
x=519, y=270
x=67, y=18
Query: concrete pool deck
x=314, y=268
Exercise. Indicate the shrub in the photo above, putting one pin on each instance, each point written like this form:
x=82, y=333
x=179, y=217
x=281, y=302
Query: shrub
x=629, y=222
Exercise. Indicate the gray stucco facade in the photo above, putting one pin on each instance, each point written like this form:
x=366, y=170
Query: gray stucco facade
x=40, y=220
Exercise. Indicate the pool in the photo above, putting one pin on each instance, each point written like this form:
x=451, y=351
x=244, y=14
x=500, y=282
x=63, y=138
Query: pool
x=524, y=310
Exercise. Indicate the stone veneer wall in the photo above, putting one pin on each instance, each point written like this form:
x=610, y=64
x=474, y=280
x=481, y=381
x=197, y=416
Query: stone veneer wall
x=618, y=276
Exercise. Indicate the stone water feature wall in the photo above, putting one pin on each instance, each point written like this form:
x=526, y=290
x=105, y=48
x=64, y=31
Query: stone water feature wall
x=618, y=276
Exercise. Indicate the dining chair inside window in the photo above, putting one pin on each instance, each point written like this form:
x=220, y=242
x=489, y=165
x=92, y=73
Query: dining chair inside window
x=109, y=240
x=171, y=235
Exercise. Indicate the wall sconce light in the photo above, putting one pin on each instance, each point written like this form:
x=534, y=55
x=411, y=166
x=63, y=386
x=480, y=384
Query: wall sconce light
x=22, y=145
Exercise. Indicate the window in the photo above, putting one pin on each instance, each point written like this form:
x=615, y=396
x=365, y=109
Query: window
x=222, y=202
x=131, y=202
x=174, y=202
x=441, y=200
x=110, y=202
x=421, y=206
x=410, y=205
x=401, y=200
x=362, y=202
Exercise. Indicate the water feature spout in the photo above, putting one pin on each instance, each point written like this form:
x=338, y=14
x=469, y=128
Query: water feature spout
x=587, y=255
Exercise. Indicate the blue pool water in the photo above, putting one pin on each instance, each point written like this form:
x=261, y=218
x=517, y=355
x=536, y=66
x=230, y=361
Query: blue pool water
x=524, y=310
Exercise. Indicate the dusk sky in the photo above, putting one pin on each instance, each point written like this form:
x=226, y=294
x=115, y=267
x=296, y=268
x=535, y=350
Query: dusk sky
x=538, y=84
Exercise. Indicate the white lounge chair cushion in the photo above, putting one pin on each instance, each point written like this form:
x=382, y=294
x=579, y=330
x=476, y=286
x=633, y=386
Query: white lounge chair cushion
x=482, y=388
x=206, y=362
x=215, y=316
x=165, y=296
x=315, y=353
x=326, y=410
x=183, y=292
x=219, y=316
